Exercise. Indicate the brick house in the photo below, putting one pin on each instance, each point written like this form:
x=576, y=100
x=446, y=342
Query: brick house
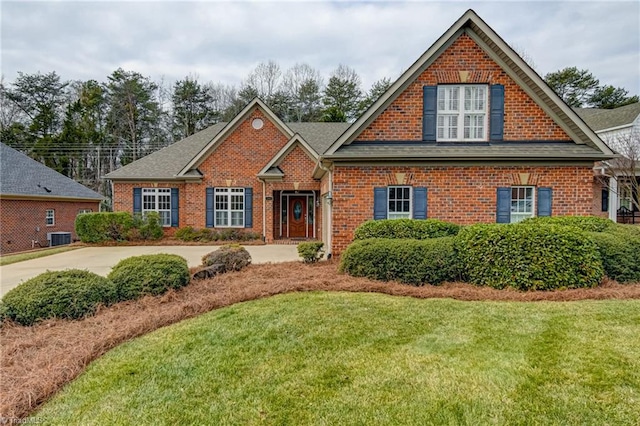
x=469, y=133
x=38, y=206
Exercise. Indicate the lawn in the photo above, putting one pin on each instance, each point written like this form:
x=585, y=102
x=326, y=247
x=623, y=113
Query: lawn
x=14, y=258
x=366, y=358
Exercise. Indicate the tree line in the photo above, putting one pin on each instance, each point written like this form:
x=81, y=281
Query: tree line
x=86, y=129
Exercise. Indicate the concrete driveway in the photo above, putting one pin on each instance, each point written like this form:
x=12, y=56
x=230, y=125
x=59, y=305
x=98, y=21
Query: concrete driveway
x=101, y=259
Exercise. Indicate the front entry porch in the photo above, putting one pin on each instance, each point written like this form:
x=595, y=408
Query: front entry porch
x=295, y=214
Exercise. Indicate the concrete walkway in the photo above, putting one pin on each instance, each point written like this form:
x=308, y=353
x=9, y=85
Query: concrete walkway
x=101, y=259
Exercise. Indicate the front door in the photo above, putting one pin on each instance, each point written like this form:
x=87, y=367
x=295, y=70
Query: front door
x=297, y=217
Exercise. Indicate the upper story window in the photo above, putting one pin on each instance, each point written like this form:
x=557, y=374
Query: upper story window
x=229, y=207
x=157, y=200
x=462, y=112
x=50, y=217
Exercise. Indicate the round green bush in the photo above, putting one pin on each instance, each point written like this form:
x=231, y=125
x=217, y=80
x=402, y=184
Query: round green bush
x=585, y=223
x=415, y=262
x=151, y=274
x=405, y=228
x=528, y=256
x=69, y=294
x=620, y=254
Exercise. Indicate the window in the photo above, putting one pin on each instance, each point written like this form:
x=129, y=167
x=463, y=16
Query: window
x=81, y=211
x=50, y=217
x=462, y=113
x=229, y=206
x=399, y=202
x=157, y=200
x=522, y=203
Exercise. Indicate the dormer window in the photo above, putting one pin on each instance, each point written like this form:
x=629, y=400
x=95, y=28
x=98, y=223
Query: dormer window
x=462, y=113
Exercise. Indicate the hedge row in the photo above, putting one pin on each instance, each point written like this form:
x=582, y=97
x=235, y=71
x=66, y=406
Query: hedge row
x=536, y=254
x=409, y=261
x=528, y=256
x=406, y=228
x=189, y=233
x=117, y=226
x=74, y=294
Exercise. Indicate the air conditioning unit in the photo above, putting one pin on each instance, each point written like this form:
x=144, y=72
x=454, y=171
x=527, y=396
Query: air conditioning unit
x=58, y=238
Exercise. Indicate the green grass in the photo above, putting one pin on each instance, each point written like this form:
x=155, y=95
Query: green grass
x=360, y=359
x=15, y=258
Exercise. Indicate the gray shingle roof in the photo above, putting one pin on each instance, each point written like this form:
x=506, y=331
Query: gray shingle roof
x=169, y=161
x=319, y=136
x=21, y=175
x=601, y=119
x=468, y=151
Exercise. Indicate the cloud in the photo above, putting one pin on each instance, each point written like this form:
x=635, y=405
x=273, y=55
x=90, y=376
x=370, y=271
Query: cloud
x=224, y=41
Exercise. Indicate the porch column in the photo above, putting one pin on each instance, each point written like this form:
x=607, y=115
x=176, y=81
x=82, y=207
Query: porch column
x=613, y=198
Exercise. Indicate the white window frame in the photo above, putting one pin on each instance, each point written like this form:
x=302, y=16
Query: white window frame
x=50, y=217
x=454, y=107
x=229, y=207
x=157, y=200
x=518, y=206
x=401, y=214
x=83, y=211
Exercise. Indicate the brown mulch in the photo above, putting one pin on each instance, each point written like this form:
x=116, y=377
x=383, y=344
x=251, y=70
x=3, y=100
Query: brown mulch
x=37, y=361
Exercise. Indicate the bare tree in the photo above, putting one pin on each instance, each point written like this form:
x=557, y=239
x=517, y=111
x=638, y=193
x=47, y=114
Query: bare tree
x=626, y=169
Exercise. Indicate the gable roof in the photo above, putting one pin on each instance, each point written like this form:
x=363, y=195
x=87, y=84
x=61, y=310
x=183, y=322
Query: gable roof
x=231, y=126
x=272, y=169
x=169, y=162
x=28, y=178
x=499, y=51
x=609, y=119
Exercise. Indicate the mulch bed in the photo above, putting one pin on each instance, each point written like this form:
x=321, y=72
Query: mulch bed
x=37, y=361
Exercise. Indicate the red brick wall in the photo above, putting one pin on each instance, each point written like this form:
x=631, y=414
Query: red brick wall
x=235, y=163
x=463, y=195
x=523, y=118
x=20, y=220
x=599, y=183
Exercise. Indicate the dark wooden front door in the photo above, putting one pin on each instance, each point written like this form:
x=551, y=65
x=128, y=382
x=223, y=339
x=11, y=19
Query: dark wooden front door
x=297, y=217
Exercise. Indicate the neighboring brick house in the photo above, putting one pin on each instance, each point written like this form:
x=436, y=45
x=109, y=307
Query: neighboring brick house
x=617, y=183
x=37, y=202
x=469, y=133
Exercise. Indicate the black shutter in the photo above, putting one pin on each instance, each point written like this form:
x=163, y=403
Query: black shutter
x=419, y=203
x=209, y=208
x=430, y=113
x=503, y=210
x=496, y=121
x=379, y=203
x=248, y=207
x=137, y=200
x=175, y=207
x=605, y=199
x=544, y=201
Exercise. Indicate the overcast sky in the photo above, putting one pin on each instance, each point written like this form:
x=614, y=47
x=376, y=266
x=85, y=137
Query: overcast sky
x=224, y=41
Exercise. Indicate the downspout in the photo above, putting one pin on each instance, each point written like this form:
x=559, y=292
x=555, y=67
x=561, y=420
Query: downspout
x=329, y=210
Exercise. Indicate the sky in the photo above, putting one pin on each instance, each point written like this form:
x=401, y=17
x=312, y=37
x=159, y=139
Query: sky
x=222, y=42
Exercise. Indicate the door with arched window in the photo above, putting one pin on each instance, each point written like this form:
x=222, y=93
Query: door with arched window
x=297, y=217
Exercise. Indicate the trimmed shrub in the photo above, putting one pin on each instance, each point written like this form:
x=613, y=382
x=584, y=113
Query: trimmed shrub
x=233, y=256
x=69, y=294
x=585, y=223
x=207, y=234
x=151, y=274
x=415, y=262
x=620, y=254
x=405, y=228
x=149, y=227
x=528, y=256
x=311, y=251
x=103, y=226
